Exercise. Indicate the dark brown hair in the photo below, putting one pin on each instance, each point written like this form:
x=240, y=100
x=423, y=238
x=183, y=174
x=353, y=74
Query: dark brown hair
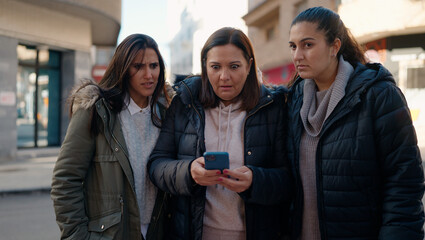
x=116, y=80
x=250, y=93
x=331, y=24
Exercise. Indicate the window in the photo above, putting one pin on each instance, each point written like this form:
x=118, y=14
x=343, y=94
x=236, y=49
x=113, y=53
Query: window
x=415, y=78
x=270, y=33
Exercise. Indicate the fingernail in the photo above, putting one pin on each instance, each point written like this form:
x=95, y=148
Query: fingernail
x=218, y=172
x=220, y=179
x=225, y=171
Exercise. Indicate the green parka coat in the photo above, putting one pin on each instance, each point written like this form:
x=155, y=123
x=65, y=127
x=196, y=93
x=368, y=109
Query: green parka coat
x=93, y=186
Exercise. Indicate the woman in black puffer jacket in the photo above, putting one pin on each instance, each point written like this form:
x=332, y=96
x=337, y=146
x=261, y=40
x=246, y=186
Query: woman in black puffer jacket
x=351, y=141
x=227, y=109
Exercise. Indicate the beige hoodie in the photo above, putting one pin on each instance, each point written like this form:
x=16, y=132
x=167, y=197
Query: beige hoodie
x=224, y=209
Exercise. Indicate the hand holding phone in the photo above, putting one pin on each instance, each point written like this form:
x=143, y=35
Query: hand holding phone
x=216, y=160
x=203, y=176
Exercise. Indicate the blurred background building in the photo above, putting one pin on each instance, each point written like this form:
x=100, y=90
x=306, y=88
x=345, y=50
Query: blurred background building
x=46, y=47
x=268, y=24
x=392, y=32
x=198, y=20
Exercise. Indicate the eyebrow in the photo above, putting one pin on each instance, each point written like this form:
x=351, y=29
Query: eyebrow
x=145, y=62
x=304, y=39
x=232, y=62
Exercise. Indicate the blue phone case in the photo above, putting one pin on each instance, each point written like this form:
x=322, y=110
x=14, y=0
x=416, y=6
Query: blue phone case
x=216, y=160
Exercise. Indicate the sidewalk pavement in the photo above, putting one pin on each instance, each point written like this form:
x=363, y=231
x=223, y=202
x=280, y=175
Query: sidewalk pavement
x=30, y=172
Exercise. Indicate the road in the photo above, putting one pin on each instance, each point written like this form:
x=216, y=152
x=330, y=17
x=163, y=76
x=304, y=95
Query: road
x=28, y=216
x=31, y=216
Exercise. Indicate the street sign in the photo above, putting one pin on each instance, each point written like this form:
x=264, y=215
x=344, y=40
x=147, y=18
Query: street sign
x=97, y=72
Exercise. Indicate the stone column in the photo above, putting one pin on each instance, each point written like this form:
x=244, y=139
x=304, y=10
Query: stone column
x=8, y=114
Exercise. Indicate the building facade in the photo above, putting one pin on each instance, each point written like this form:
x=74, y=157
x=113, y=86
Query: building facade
x=181, y=46
x=198, y=19
x=268, y=24
x=47, y=47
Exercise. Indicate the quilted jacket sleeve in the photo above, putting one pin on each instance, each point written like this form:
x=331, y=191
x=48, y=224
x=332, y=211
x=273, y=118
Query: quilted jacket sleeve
x=168, y=173
x=68, y=175
x=400, y=161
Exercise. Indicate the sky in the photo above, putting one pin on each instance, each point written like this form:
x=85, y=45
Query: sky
x=160, y=19
x=147, y=17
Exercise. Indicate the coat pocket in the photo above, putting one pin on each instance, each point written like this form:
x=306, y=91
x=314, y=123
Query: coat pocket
x=105, y=227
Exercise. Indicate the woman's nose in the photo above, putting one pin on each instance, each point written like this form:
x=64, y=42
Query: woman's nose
x=297, y=54
x=148, y=73
x=224, y=74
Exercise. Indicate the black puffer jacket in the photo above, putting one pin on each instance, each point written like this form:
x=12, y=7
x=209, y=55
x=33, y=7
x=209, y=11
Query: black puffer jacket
x=182, y=140
x=368, y=166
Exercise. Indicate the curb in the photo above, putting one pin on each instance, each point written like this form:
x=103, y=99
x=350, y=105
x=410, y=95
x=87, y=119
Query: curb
x=25, y=154
x=42, y=190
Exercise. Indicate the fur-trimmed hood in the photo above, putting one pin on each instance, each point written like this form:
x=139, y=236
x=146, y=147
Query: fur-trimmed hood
x=85, y=95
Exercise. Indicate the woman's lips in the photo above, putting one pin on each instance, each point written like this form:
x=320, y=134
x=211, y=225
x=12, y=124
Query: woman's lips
x=147, y=84
x=301, y=67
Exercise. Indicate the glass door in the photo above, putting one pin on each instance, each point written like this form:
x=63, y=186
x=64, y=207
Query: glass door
x=26, y=90
x=48, y=107
x=38, y=97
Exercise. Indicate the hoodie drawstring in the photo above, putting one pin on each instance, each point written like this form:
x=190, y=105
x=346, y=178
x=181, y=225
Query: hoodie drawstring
x=227, y=130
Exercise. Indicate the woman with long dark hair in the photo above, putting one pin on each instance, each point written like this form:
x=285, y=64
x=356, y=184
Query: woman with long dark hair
x=100, y=185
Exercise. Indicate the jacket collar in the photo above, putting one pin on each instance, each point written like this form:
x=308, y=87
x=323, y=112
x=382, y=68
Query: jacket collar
x=363, y=77
x=188, y=89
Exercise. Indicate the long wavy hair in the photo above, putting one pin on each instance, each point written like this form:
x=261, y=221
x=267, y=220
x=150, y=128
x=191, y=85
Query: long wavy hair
x=116, y=80
x=250, y=93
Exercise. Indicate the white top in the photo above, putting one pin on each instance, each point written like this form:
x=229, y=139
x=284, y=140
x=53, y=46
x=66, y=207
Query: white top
x=140, y=135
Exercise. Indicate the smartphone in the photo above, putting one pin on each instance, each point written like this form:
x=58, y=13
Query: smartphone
x=216, y=160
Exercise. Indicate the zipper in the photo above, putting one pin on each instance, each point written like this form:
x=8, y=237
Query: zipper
x=319, y=187
x=122, y=205
x=119, y=144
x=299, y=194
x=262, y=106
x=248, y=116
x=319, y=174
x=244, y=123
x=191, y=99
x=111, y=130
x=199, y=143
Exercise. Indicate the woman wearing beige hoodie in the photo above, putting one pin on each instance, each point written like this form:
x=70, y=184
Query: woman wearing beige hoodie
x=225, y=109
